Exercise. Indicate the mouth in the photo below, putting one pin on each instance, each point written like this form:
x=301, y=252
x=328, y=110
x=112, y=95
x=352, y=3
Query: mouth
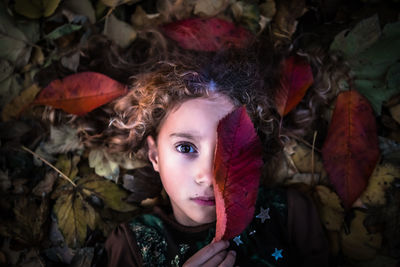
x=204, y=201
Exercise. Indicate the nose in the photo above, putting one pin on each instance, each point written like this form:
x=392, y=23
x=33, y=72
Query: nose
x=205, y=171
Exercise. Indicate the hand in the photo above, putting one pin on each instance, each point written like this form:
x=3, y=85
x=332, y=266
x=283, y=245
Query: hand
x=214, y=254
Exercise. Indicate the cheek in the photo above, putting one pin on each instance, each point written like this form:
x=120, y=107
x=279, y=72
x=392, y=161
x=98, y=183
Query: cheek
x=174, y=173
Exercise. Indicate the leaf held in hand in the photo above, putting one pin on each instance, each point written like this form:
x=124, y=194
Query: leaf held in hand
x=295, y=79
x=207, y=34
x=81, y=93
x=237, y=170
x=351, y=151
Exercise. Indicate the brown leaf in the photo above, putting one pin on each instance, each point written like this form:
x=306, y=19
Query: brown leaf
x=359, y=244
x=330, y=208
x=46, y=185
x=285, y=20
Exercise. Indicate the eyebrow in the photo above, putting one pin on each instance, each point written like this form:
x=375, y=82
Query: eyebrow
x=185, y=135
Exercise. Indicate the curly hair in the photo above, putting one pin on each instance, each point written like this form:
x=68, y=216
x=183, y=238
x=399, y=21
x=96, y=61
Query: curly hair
x=163, y=78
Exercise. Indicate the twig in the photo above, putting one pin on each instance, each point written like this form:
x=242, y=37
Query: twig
x=49, y=164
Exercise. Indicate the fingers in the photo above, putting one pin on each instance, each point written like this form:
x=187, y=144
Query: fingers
x=222, y=259
x=214, y=252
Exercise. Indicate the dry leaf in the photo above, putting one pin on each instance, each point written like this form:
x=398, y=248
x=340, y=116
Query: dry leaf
x=395, y=112
x=140, y=19
x=359, y=244
x=209, y=8
x=81, y=7
x=63, y=139
x=103, y=166
x=330, y=208
x=115, y=3
x=119, y=31
x=45, y=186
x=20, y=103
x=35, y=9
x=380, y=180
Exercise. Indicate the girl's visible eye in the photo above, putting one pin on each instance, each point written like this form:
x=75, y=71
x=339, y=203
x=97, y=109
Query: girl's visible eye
x=186, y=148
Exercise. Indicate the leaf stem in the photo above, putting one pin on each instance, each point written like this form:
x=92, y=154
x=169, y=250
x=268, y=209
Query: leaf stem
x=312, y=157
x=49, y=164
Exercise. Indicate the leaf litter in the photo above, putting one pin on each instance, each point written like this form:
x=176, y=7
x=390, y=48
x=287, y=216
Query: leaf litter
x=35, y=198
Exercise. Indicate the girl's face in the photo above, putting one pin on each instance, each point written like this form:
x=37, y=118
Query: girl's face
x=184, y=157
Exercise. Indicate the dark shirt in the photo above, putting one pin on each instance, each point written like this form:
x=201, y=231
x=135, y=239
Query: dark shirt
x=285, y=231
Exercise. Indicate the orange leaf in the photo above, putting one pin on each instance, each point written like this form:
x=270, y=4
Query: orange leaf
x=80, y=93
x=296, y=78
x=351, y=150
x=237, y=169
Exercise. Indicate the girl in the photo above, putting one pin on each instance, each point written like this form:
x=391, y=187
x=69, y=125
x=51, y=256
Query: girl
x=170, y=118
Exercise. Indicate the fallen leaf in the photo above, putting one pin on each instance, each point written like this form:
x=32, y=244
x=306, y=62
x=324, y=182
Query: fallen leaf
x=362, y=36
x=330, y=209
x=63, y=30
x=296, y=77
x=29, y=222
x=10, y=88
x=209, y=8
x=110, y=193
x=5, y=182
x=381, y=179
x=71, y=62
x=45, y=186
x=127, y=162
x=141, y=185
x=81, y=7
x=75, y=208
x=284, y=23
x=237, y=170
x=207, y=34
x=119, y=31
x=359, y=244
x=395, y=112
x=63, y=139
x=105, y=167
x=302, y=158
x=68, y=164
x=350, y=151
x=247, y=14
x=268, y=9
x=14, y=45
x=6, y=69
x=74, y=216
x=35, y=9
x=13, y=109
x=140, y=19
x=80, y=93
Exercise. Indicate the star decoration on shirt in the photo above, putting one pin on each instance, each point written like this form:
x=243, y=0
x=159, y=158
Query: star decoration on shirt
x=277, y=254
x=264, y=214
x=237, y=240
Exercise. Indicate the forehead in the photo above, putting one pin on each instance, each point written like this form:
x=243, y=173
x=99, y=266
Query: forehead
x=197, y=115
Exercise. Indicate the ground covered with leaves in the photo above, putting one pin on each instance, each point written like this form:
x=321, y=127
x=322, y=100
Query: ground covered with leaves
x=58, y=206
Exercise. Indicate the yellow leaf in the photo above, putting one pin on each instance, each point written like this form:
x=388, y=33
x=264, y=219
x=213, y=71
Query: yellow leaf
x=110, y=193
x=19, y=103
x=359, y=244
x=302, y=158
x=268, y=9
x=330, y=208
x=209, y=8
x=74, y=215
x=379, y=182
x=102, y=165
x=119, y=31
x=140, y=19
x=68, y=165
x=35, y=9
x=395, y=111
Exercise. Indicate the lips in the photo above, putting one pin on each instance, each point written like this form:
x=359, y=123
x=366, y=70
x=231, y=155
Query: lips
x=204, y=201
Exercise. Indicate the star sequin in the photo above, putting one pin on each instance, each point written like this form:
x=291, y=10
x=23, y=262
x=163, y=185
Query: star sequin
x=264, y=214
x=237, y=240
x=277, y=254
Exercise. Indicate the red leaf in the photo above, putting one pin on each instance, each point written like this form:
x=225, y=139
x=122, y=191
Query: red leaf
x=207, y=34
x=351, y=151
x=80, y=93
x=296, y=78
x=237, y=170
